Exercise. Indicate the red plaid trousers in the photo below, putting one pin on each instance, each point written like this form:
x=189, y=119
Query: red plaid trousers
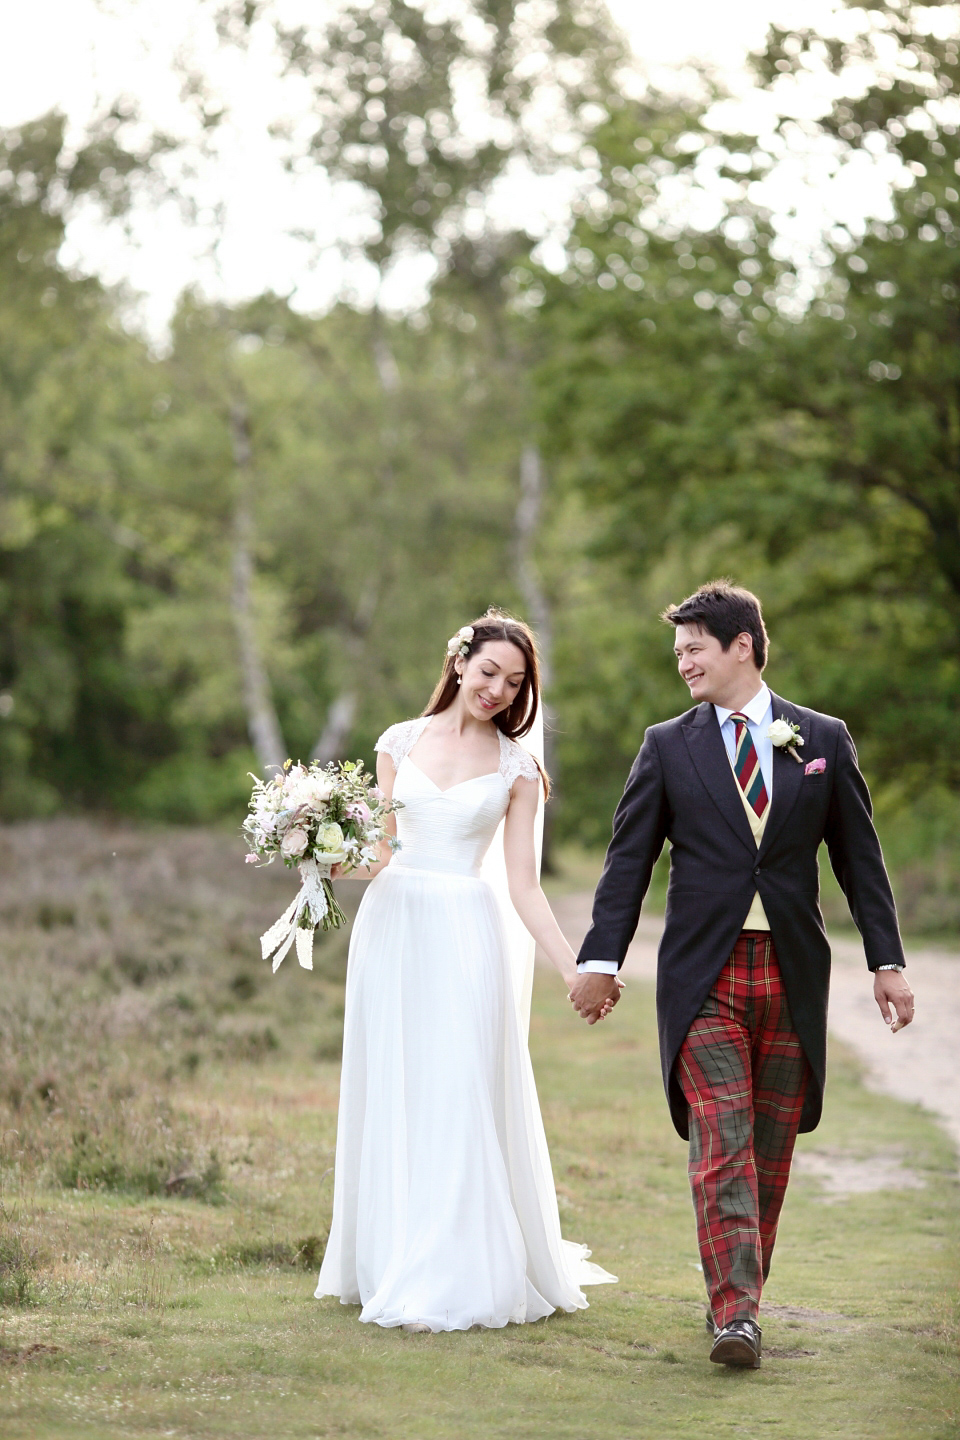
x=744, y=1075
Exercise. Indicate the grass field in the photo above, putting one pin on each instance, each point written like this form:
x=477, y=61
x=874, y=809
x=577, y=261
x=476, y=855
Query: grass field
x=169, y=1120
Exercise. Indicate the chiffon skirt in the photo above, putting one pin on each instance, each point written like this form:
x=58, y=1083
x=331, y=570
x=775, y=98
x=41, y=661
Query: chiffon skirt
x=444, y=1212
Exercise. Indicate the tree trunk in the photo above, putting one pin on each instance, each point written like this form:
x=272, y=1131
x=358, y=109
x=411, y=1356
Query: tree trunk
x=333, y=736
x=343, y=707
x=262, y=723
x=539, y=616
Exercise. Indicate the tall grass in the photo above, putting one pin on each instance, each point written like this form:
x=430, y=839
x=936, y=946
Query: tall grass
x=128, y=962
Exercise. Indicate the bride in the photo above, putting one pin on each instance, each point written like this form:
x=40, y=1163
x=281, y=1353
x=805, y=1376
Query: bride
x=444, y=1209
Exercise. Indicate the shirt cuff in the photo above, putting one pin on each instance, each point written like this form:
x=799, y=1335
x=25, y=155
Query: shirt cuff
x=598, y=967
x=889, y=967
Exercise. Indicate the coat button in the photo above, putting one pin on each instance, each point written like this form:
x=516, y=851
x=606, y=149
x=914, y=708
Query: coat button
x=756, y=870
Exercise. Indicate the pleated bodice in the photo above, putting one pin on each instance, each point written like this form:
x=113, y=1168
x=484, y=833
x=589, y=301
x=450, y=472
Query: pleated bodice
x=446, y=830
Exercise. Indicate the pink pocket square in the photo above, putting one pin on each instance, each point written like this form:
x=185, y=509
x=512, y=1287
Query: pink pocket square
x=816, y=767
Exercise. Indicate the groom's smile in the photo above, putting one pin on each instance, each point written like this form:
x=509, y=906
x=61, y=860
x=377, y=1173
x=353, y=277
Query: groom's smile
x=729, y=678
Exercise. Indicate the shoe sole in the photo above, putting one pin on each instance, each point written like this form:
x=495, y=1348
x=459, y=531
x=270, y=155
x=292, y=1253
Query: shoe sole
x=734, y=1351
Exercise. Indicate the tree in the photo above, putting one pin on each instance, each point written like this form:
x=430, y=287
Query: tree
x=710, y=425
x=430, y=115
x=74, y=726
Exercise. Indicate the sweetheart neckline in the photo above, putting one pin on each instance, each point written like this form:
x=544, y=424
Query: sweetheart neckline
x=485, y=776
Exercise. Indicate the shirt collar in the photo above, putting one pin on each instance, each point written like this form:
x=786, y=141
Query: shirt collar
x=755, y=711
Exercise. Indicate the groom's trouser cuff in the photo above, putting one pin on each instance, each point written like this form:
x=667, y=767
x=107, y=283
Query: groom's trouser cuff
x=744, y=1075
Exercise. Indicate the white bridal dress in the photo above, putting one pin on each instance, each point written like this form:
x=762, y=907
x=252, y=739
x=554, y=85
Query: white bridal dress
x=444, y=1208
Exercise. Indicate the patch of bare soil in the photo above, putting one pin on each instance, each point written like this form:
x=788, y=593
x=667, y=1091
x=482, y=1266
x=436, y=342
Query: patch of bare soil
x=29, y=1352
x=780, y=1352
x=841, y=1175
x=799, y=1315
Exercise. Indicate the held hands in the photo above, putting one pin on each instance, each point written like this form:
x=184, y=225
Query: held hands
x=594, y=996
x=891, y=990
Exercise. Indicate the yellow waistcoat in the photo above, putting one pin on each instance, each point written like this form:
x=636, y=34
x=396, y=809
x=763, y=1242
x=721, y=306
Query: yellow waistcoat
x=756, y=919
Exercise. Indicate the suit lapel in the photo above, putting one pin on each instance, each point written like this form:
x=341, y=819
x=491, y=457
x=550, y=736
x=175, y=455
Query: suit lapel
x=709, y=755
x=787, y=774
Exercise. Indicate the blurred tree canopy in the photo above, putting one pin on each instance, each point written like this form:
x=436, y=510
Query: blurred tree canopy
x=257, y=542
x=709, y=424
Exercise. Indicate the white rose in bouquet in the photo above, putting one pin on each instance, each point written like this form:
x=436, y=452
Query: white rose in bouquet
x=329, y=840
x=312, y=790
x=294, y=844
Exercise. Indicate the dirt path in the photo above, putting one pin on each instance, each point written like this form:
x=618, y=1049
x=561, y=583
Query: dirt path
x=920, y=1064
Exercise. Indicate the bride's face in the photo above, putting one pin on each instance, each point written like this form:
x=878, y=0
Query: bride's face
x=491, y=678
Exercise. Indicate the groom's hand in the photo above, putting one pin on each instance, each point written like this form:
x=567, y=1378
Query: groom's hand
x=895, y=998
x=593, y=996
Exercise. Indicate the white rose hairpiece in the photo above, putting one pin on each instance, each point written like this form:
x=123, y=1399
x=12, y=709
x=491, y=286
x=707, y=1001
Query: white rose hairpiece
x=459, y=644
x=785, y=736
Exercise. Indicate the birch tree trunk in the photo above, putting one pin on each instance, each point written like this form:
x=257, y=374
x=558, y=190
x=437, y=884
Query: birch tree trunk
x=343, y=707
x=539, y=614
x=262, y=722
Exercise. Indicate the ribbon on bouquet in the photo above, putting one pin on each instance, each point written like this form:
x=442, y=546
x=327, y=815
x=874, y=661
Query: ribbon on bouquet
x=284, y=932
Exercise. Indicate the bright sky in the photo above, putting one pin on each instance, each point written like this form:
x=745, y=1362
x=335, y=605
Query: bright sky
x=76, y=54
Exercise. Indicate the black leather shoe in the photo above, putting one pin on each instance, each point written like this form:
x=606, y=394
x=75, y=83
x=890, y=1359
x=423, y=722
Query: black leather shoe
x=738, y=1344
x=713, y=1329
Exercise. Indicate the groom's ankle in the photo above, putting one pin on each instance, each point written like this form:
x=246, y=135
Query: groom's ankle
x=733, y=1310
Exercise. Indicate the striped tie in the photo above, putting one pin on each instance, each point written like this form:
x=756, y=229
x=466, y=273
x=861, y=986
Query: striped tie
x=746, y=765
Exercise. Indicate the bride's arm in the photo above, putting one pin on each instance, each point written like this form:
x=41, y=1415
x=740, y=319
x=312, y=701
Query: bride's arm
x=386, y=775
x=528, y=899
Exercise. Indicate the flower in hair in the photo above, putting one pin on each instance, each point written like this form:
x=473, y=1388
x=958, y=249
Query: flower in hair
x=459, y=644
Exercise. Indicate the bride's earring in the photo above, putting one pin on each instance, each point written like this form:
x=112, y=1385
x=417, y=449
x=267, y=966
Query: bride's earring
x=459, y=679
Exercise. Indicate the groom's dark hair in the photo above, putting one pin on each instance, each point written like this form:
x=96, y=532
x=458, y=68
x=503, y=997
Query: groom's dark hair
x=725, y=611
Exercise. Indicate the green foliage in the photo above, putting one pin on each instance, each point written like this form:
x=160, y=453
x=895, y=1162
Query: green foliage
x=709, y=426
x=398, y=93
x=73, y=388
x=18, y=1265
x=128, y=1164
x=698, y=419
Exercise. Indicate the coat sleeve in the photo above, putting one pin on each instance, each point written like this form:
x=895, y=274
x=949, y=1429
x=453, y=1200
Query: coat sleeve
x=857, y=860
x=639, y=832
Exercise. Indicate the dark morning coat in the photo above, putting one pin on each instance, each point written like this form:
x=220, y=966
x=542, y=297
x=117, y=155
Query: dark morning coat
x=682, y=790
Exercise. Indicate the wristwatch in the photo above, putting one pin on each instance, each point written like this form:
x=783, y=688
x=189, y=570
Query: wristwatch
x=890, y=967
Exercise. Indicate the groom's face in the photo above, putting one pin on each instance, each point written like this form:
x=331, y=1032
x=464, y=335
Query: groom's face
x=712, y=673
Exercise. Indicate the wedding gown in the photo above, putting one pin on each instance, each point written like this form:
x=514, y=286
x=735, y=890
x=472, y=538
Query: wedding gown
x=444, y=1208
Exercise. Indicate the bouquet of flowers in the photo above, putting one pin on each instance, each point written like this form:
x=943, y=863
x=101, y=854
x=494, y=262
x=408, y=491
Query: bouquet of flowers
x=315, y=817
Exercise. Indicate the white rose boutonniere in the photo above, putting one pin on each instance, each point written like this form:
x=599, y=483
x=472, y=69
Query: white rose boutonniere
x=785, y=736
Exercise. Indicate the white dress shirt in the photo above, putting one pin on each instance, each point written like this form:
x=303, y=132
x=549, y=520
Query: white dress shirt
x=759, y=713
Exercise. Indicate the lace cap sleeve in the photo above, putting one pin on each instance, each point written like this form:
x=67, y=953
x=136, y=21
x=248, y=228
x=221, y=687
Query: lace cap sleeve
x=516, y=762
x=397, y=739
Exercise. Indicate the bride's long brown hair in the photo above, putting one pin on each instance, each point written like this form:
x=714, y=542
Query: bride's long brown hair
x=517, y=719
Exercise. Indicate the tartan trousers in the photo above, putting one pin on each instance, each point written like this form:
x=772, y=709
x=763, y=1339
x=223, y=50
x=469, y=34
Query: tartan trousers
x=744, y=1075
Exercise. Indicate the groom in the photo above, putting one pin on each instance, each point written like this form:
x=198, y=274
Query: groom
x=744, y=963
